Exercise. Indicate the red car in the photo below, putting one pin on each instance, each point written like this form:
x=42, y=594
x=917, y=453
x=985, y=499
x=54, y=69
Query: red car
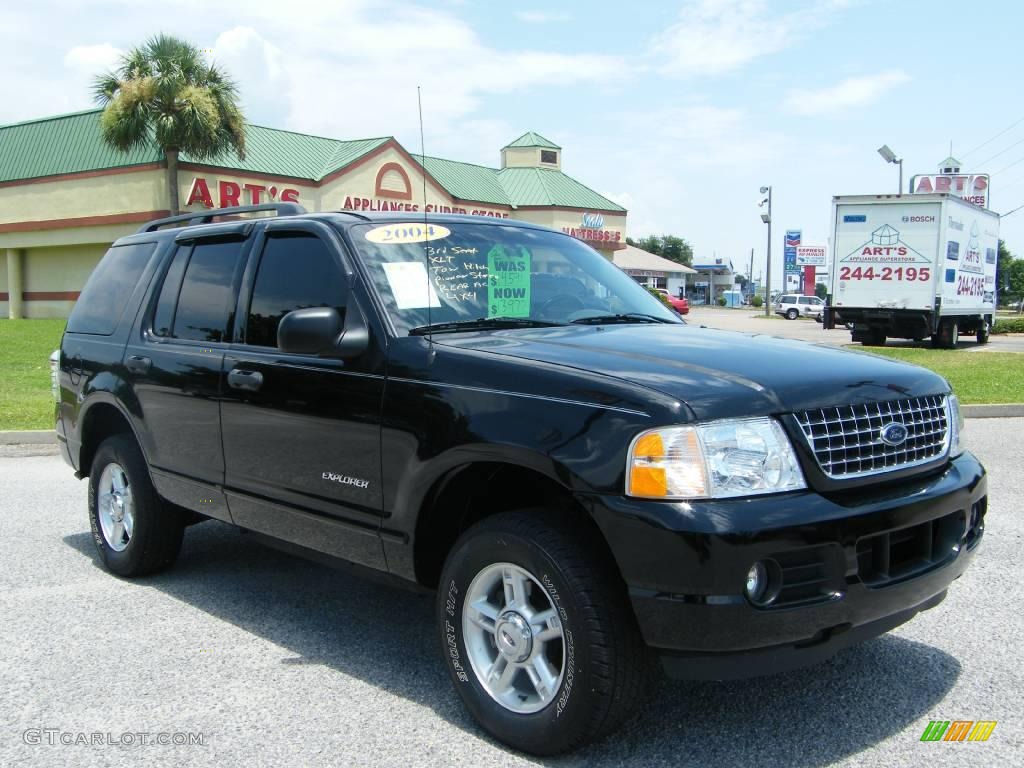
x=682, y=306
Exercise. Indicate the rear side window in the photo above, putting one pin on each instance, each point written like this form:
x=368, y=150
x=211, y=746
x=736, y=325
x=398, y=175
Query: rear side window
x=207, y=296
x=297, y=270
x=105, y=296
x=163, y=319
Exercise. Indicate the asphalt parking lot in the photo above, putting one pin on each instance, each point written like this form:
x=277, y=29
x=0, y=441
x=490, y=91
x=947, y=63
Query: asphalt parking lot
x=276, y=661
x=807, y=329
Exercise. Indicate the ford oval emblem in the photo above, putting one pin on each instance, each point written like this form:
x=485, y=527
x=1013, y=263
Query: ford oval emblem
x=893, y=434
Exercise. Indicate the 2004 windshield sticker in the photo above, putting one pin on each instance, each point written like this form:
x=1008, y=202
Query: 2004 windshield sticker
x=406, y=232
x=508, y=282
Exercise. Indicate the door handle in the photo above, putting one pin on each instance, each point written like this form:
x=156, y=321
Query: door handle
x=250, y=380
x=138, y=364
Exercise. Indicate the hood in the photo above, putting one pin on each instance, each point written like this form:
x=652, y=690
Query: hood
x=718, y=374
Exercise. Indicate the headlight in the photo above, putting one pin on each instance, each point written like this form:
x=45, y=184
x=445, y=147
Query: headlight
x=956, y=426
x=718, y=459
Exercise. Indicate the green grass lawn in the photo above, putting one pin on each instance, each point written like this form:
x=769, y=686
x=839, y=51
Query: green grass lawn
x=25, y=347
x=976, y=377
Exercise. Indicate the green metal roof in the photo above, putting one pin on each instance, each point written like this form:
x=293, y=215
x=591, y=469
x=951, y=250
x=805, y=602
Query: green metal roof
x=467, y=181
x=63, y=144
x=72, y=144
x=545, y=186
x=531, y=139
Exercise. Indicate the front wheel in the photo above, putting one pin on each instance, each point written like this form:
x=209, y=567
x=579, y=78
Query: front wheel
x=984, y=331
x=538, y=634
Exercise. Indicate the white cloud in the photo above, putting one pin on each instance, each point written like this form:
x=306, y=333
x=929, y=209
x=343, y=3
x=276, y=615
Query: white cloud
x=92, y=59
x=542, y=17
x=712, y=37
x=851, y=92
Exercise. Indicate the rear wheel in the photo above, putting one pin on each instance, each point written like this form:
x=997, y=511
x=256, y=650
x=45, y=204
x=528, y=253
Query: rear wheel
x=540, y=639
x=134, y=532
x=948, y=335
x=792, y=314
x=874, y=339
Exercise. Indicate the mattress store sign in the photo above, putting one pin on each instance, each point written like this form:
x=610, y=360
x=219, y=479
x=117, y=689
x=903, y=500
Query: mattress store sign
x=593, y=231
x=230, y=193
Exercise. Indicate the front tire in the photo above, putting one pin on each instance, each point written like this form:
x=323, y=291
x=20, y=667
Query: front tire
x=538, y=633
x=984, y=332
x=135, y=534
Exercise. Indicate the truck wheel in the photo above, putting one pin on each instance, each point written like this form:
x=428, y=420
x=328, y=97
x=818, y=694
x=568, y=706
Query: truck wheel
x=538, y=633
x=134, y=533
x=984, y=331
x=874, y=339
x=949, y=334
x=792, y=314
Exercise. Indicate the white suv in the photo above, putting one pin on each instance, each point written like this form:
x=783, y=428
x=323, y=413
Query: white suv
x=791, y=306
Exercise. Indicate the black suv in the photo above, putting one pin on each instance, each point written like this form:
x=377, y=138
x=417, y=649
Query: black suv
x=494, y=411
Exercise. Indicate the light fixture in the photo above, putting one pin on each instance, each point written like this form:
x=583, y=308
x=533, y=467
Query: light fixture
x=890, y=157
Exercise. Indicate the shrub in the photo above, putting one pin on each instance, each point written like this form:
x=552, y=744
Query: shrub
x=1009, y=325
x=757, y=301
x=660, y=297
x=721, y=301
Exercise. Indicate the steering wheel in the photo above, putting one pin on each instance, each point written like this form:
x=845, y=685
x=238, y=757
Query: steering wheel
x=564, y=301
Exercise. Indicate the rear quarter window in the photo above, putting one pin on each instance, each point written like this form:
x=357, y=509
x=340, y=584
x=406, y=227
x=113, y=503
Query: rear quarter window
x=105, y=297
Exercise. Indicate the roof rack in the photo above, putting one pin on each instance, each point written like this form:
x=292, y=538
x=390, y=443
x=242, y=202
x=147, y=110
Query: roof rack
x=205, y=217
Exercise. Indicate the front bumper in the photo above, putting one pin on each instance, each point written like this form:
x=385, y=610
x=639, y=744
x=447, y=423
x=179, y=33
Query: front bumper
x=857, y=563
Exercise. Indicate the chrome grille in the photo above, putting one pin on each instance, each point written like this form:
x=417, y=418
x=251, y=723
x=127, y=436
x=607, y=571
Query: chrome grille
x=847, y=442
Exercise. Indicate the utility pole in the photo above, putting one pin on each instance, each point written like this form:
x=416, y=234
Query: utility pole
x=750, y=275
x=767, y=219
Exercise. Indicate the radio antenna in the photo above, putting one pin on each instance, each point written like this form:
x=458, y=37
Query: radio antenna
x=426, y=226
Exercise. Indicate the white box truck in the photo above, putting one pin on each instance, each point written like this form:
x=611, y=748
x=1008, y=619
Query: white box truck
x=912, y=267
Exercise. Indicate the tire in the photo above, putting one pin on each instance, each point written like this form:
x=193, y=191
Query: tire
x=874, y=339
x=792, y=314
x=819, y=317
x=984, y=332
x=147, y=537
x=949, y=334
x=597, y=669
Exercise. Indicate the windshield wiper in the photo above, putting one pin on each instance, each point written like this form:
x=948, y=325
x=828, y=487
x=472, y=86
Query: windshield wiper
x=625, y=317
x=481, y=323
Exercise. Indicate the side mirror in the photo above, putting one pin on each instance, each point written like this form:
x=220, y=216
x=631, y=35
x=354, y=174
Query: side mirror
x=320, y=331
x=309, y=331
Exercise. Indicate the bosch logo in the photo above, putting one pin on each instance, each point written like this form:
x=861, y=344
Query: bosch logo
x=919, y=219
x=893, y=434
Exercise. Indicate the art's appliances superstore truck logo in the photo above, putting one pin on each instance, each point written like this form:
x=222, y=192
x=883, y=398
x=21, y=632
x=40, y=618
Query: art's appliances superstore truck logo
x=885, y=257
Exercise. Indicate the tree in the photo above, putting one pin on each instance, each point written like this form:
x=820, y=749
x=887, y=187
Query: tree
x=164, y=92
x=1005, y=259
x=820, y=290
x=667, y=246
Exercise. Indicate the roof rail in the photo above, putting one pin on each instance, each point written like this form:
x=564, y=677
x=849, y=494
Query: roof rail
x=205, y=217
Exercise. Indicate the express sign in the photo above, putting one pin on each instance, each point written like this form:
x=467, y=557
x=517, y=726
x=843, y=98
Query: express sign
x=973, y=189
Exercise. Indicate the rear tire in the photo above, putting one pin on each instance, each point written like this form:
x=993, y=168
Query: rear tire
x=134, y=532
x=948, y=335
x=588, y=655
x=874, y=339
x=792, y=314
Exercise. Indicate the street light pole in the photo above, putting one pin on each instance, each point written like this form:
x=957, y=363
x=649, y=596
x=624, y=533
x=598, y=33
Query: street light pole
x=890, y=157
x=767, y=219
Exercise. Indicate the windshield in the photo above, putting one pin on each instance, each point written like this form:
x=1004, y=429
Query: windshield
x=489, y=271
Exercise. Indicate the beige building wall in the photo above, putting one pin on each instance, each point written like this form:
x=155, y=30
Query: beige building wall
x=57, y=270
x=72, y=198
x=528, y=157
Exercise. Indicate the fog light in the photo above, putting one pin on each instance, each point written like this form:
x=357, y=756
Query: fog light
x=757, y=582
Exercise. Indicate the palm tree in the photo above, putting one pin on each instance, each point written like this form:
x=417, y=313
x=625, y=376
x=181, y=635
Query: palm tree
x=164, y=92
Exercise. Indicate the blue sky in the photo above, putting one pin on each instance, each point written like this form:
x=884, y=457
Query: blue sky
x=678, y=110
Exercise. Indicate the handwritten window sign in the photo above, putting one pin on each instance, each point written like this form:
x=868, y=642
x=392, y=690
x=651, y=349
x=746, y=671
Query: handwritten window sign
x=508, y=282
